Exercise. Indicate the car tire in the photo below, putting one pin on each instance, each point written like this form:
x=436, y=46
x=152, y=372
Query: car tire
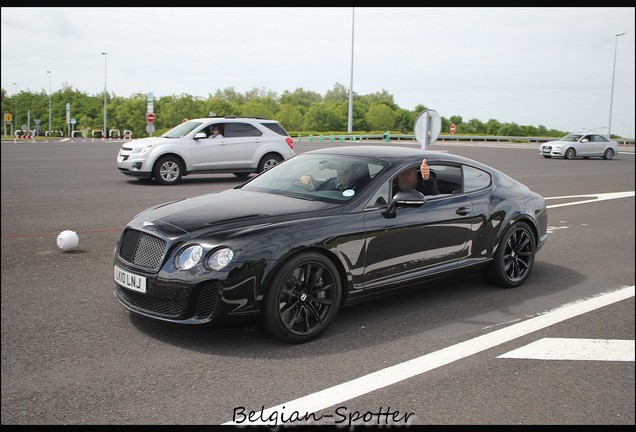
x=303, y=298
x=268, y=161
x=241, y=175
x=168, y=170
x=514, y=258
x=609, y=153
x=547, y=156
x=569, y=153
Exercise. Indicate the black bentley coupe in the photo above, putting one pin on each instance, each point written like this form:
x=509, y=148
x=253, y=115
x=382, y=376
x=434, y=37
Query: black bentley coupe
x=323, y=230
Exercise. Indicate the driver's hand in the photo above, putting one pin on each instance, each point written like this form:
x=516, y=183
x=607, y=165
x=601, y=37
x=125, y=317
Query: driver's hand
x=307, y=180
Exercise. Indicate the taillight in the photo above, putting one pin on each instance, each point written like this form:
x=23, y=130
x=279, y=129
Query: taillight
x=290, y=142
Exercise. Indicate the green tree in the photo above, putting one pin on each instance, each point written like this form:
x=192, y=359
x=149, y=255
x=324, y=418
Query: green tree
x=221, y=107
x=256, y=108
x=491, y=127
x=290, y=117
x=338, y=93
x=380, y=117
x=456, y=120
x=323, y=117
x=301, y=98
x=473, y=126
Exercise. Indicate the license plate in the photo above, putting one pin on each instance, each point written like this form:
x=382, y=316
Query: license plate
x=130, y=280
x=547, y=149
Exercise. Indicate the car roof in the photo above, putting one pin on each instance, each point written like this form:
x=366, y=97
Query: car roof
x=237, y=118
x=391, y=153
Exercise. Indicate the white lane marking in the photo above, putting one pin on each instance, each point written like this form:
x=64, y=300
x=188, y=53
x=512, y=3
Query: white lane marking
x=552, y=229
x=594, y=198
x=408, y=369
x=575, y=349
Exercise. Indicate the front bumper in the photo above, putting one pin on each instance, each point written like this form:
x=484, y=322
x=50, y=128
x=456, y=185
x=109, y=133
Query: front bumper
x=174, y=301
x=133, y=167
x=550, y=151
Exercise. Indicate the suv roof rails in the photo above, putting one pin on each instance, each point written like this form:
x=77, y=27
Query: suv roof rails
x=235, y=117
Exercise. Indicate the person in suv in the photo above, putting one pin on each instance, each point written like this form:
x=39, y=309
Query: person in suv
x=247, y=145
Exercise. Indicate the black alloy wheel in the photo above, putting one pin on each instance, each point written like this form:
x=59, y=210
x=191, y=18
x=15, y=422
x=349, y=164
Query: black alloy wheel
x=303, y=298
x=514, y=257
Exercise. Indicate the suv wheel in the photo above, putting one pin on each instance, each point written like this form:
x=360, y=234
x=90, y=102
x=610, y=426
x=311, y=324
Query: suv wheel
x=268, y=161
x=168, y=170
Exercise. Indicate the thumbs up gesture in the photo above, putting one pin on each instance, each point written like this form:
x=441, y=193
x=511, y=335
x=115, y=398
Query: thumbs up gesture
x=425, y=170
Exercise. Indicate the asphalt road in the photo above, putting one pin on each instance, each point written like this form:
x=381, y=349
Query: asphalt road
x=72, y=355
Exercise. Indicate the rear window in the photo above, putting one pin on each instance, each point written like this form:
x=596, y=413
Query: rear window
x=276, y=127
x=233, y=130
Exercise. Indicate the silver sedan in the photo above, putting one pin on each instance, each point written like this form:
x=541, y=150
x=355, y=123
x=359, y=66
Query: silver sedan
x=583, y=145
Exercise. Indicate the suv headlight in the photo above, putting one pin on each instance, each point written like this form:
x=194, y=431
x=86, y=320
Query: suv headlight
x=219, y=258
x=140, y=151
x=189, y=257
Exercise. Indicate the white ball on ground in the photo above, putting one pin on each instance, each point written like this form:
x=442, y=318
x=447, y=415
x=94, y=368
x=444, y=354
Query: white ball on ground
x=67, y=240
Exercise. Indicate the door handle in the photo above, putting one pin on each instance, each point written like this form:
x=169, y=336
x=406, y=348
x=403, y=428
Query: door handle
x=463, y=211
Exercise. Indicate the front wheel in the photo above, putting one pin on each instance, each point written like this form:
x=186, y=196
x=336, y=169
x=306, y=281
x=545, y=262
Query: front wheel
x=514, y=257
x=609, y=153
x=569, y=153
x=302, y=299
x=168, y=170
x=268, y=161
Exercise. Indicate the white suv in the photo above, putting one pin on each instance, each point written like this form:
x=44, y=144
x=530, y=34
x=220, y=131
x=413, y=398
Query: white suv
x=245, y=145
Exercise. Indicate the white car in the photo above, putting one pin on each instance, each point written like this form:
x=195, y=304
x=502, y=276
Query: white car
x=245, y=145
x=580, y=144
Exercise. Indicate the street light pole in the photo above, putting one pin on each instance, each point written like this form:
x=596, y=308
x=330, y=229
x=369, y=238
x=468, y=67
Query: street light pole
x=609, y=126
x=105, y=135
x=350, y=122
x=15, y=119
x=50, y=74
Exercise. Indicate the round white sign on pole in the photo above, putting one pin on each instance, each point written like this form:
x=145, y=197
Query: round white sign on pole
x=427, y=127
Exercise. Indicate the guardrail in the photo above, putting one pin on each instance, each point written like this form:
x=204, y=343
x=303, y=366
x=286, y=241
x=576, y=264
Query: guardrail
x=450, y=138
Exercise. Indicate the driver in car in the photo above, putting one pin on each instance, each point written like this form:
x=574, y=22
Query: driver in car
x=348, y=177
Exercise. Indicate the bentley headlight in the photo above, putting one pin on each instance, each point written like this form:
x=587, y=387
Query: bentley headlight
x=189, y=257
x=220, y=258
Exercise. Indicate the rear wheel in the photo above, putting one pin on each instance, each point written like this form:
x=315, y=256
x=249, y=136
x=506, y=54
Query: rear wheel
x=268, y=161
x=302, y=299
x=168, y=170
x=569, y=153
x=241, y=175
x=514, y=257
x=609, y=153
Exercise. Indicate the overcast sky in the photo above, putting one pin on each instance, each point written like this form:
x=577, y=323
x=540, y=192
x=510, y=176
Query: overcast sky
x=533, y=66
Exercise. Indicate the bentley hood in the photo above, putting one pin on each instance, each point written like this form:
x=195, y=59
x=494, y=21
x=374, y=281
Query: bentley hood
x=230, y=209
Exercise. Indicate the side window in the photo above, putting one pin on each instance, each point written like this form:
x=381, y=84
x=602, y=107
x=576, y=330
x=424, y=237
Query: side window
x=475, y=179
x=448, y=178
x=234, y=130
x=382, y=197
x=599, y=138
x=276, y=127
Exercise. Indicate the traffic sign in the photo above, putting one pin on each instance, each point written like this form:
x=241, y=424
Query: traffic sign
x=150, y=128
x=427, y=127
x=452, y=128
x=150, y=117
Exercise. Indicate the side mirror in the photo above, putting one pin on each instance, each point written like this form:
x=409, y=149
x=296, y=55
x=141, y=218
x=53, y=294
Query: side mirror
x=585, y=140
x=411, y=198
x=200, y=135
